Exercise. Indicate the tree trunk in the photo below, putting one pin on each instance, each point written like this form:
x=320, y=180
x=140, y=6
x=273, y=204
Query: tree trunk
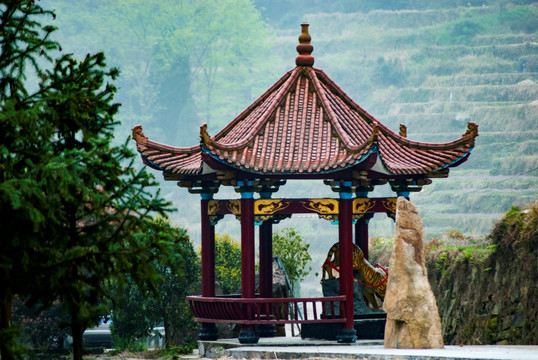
x=76, y=330
x=167, y=326
x=6, y=326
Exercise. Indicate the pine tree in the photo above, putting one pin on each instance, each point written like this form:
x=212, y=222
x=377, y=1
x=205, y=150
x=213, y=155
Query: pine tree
x=23, y=143
x=75, y=213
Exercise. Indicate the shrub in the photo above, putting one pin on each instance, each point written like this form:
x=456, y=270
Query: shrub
x=227, y=263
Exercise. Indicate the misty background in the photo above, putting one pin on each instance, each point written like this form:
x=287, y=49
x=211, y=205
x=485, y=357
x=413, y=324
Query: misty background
x=430, y=65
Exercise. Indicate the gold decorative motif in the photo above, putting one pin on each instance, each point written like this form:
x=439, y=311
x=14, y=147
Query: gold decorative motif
x=329, y=217
x=362, y=205
x=213, y=207
x=269, y=206
x=322, y=206
x=389, y=204
x=225, y=175
x=234, y=206
x=262, y=218
x=226, y=178
x=214, y=219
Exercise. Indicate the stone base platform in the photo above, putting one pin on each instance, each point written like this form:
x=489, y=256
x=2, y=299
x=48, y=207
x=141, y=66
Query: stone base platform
x=366, y=329
x=297, y=348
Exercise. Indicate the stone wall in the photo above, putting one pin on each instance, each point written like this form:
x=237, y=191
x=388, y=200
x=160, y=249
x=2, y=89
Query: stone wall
x=488, y=295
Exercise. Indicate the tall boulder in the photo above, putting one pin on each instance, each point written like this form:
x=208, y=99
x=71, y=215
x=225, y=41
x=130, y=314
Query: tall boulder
x=412, y=316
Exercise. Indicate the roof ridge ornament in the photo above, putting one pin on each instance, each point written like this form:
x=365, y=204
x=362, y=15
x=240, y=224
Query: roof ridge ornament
x=472, y=130
x=205, y=139
x=139, y=136
x=304, y=48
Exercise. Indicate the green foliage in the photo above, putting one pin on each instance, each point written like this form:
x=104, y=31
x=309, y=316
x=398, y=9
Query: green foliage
x=519, y=225
x=131, y=320
x=132, y=345
x=520, y=18
x=227, y=263
x=485, y=293
x=379, y=250
x=76, y=214
x=189, y=62
x=293, y=251
x=469, y=248
x=42, y=331
x=440, y=264
x=139, y=310
x=458, y=32
x=173, y=352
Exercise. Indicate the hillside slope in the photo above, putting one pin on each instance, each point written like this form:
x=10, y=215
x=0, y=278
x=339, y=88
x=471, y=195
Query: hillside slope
x=434, y=70
x=487, y=295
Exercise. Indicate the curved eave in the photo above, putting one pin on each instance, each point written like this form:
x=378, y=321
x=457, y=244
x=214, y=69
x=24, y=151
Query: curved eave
x=398, y=155
x=365, y=161
x=169, y=159
x=403, y=157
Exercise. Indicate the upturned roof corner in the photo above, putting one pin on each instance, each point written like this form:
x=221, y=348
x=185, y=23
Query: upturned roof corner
x=305, y=125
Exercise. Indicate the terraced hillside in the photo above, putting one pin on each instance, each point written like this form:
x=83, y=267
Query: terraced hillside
x=433, y=71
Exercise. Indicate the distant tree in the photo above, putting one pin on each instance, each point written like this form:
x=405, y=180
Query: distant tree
x=190, y=62
x=293, y=250
x=41, y=330
x=520, y=18
x=227, y=263
x=138, y=310
x=389, y=72
x=464, y=30
x=75, y=214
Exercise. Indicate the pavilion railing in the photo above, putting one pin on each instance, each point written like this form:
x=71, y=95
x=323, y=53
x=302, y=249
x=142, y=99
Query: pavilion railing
x=257, y=311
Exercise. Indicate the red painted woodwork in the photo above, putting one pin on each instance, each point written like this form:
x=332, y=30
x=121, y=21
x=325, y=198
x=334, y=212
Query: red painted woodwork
x=208, y=252
x=250, y=311
x=296, y=206
x=361, y=235
x=247, y=248
x=346, y=259
x=266, y=259
x=303, y=127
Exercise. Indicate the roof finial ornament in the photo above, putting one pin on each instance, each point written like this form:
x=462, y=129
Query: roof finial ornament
x=304, y=48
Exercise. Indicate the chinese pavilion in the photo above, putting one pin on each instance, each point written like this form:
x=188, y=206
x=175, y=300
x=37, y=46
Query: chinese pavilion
x=303, y=127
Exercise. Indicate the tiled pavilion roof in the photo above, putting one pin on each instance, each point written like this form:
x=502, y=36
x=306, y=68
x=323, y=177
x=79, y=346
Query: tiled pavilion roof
x=305, y=124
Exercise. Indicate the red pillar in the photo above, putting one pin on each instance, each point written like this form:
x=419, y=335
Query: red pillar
x=208, y=252
x=247, y=335
x=266, y=259
x=345, y=232
x=208, y=331
x=247, y=247
x=266, y=272
x=361, y=234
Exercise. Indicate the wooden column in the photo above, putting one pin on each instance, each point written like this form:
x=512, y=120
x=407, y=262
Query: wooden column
x=361, y=233
x=208, y=250
x=266, y=259
x=247, y=247
x=345, y=232
x=208, y=331
x=266, y=272
x=247, y=335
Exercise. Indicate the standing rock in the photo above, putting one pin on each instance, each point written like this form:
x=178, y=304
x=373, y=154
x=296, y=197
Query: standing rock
x=412, y=316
